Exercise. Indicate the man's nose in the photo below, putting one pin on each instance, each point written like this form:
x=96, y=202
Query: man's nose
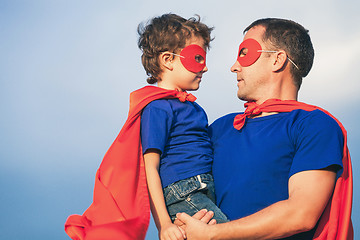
x=236, y=67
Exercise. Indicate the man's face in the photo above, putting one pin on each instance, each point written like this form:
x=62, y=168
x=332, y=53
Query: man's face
x=252, y=70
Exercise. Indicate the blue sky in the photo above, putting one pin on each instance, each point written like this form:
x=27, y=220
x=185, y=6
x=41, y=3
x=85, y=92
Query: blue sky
x=67, y=68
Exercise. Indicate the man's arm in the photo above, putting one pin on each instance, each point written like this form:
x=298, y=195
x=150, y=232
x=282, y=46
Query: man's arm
x=309, y=192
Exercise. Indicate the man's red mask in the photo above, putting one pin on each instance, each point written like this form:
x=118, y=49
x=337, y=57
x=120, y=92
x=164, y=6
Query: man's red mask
x=249, y=52
x=193, y=58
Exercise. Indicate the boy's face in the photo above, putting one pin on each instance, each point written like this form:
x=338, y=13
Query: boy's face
x=193, y=58
x=189, y=67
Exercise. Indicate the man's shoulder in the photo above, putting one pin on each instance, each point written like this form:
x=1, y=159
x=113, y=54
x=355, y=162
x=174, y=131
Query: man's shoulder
x=226, y=119
x=316, y=121
x=315, y=116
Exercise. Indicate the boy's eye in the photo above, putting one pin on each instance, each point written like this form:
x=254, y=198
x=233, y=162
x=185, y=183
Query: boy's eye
x=243, y=52
x=199, y=59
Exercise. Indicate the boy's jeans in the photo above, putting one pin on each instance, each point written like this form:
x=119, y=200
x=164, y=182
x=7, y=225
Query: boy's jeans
x=191, y=195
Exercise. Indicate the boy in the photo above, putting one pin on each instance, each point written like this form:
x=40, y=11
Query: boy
x=121, y=206
x=175, y=142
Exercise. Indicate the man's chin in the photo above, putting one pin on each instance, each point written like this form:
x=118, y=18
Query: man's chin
x=241, y=97
x=245, y=99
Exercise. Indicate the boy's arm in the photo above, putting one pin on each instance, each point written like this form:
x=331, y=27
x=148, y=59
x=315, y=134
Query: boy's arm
x=309, y=192
x=157, y=202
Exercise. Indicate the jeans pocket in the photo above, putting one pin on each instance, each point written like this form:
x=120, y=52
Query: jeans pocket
x=178, y=191
x=186, y=186
x=171, y=196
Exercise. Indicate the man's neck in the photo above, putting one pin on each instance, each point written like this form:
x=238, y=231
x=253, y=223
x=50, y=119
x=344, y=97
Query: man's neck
x=282, y=92
x=281, y=87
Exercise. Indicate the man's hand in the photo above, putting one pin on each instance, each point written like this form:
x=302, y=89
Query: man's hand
x=202, y=215
x=196, y=229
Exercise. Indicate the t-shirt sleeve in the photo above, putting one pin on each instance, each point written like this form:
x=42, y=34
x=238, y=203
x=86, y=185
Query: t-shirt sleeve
x=212, y=131
x=156, y=121
x=318, y=143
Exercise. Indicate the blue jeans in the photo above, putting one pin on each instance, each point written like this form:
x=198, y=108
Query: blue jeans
x=191, y=195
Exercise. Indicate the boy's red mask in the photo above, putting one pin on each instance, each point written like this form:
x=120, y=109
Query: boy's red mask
x=249, y=52
x=193, y=58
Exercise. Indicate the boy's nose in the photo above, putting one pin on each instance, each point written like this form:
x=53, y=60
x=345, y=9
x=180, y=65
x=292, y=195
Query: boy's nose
x=205, y=69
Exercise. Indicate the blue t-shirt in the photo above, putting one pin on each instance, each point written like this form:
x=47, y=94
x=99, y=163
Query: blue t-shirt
x=252, y=166
x=180, y=131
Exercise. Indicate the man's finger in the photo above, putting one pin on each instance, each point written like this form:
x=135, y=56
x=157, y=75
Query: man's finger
x=185, y=218
x=200, y=214
x=178, y=223
x=212, y=222
x=207, y=217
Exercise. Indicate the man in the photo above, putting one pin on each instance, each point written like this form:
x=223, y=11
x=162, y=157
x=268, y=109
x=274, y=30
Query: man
x=276, y=165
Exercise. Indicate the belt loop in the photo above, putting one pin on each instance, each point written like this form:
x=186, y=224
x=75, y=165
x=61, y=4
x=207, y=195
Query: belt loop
x=202, y=185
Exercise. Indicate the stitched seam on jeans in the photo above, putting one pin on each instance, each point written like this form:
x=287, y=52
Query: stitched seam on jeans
x=171, y=190
x=183, y=194
x=191, y=204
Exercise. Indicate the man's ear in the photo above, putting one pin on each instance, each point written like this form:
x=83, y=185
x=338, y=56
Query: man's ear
x=279, y=63
x=166, y=60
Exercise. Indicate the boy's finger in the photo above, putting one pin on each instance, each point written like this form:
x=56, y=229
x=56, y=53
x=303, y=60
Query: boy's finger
x=182, y=232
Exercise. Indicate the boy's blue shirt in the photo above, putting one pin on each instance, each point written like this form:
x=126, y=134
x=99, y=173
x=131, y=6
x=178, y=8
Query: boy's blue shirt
x=180, y=131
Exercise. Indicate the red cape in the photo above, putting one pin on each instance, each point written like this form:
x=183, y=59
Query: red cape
x=335, y=222
x=121, y=208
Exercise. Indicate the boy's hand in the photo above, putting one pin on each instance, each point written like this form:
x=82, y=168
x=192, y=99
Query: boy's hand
x=171, y=232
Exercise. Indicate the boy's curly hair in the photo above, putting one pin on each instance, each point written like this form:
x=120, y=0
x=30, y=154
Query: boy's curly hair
x=168, y=32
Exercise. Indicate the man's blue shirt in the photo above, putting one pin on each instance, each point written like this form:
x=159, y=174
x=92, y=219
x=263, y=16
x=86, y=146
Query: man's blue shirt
x=252, y=166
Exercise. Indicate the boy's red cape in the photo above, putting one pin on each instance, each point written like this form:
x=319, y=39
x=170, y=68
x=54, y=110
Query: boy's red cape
x=121, y=208
x=335, y=222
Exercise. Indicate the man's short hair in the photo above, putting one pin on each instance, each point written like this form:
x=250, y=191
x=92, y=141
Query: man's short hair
x=291, y=37
x=168, y=32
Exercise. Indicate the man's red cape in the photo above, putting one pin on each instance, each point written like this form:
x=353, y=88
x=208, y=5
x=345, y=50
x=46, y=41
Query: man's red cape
x=335, y=222
x=120, y=208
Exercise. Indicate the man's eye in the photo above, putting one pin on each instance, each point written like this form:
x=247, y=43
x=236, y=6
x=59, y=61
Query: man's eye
x=243, y=52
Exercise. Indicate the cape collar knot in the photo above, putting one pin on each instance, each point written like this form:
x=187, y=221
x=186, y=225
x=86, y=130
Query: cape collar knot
x=184, y=96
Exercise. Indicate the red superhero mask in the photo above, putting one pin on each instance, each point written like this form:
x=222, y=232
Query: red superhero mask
x=249, y=51
x=193, y=58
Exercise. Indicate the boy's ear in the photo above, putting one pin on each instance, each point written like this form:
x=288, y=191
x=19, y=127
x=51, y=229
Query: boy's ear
x=166, y=60
x=279, y=62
